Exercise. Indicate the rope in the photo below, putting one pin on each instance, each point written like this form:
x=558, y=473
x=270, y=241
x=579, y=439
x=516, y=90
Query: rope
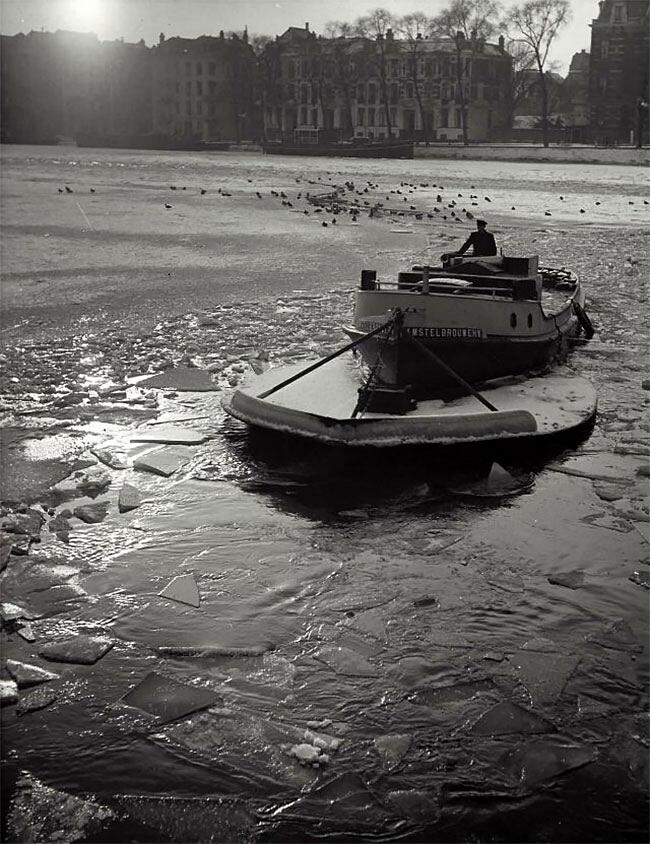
x=364, y=392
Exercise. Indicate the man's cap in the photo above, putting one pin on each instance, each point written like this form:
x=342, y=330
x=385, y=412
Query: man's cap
x=481, y=223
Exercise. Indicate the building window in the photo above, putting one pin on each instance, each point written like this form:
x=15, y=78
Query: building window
x=444, y=117
x=199, y=69
x=361, y=93
x=188, y=88
x=304, y=95
x=314, y=117
x=604, y=49
x=303, y=115
x=361, y=116
x=409, y=90
x=212, y=68
x=199, y=88
x=188, y=107
x=372, y=94
x=291, y=92
x=618, y=14
x=371, y=117
x=188, y=67
x=394, y=92
x=199, y=107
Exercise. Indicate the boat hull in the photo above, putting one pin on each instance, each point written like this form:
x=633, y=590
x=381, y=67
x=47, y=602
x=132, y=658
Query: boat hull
x=478, y=337
x=319, y=407
x=342, y=151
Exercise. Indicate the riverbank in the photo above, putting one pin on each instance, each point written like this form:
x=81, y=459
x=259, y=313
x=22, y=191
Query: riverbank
x=571, y=154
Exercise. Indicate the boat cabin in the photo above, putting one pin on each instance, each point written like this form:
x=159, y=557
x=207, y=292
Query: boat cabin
x=497, y=276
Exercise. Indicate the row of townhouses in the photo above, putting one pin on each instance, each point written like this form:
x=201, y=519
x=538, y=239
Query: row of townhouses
x=213, y=88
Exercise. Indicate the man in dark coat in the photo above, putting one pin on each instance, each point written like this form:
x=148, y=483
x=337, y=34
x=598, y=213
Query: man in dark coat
x=482, y=240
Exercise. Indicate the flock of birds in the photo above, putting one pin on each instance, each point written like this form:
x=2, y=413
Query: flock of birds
x=342, y=199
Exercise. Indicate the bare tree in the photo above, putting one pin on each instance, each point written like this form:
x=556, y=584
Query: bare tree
x=345, y=70
x=523, y=62
x=469, y=23
x=377, y=27
x=537, y=22
x=414, y=27
x=269, y=79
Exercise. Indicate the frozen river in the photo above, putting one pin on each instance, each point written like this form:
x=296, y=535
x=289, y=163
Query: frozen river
x=377, y=652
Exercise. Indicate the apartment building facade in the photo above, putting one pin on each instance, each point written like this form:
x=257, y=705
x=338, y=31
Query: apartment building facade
x=204, y=88
x=357, y=87
x=618, y=72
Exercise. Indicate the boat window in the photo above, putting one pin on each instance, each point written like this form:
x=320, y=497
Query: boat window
x=530, y=320
x=513, y=320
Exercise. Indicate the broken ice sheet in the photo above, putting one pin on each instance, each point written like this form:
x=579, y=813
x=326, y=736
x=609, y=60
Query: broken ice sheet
x=170, y=435
x=40, y=813
x=641, y=578
x=414, y=804
x=168, y=699
x=29, y=675
x=8, y=692
x=346, y=661
x=616, y=635
x=499, y=483
x=604, y=520
x=540, y=760
x=182, y=379
x=571, y=579
x=543, y=674
x=182, y=589
x=391, y=749
x=507, y=717
x=35, y=700
x=81, y=649
x=344, y=799
x=163, y=461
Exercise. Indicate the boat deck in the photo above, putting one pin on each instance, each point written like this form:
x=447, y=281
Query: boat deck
x=320, y=406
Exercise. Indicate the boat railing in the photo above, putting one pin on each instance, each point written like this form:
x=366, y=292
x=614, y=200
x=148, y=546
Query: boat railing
x=425, y=280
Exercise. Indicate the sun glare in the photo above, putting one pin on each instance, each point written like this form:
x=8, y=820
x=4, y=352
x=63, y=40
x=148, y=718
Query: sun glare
x=88, y=14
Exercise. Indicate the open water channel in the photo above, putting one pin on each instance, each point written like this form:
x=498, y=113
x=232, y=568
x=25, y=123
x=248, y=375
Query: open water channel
x=365, y=647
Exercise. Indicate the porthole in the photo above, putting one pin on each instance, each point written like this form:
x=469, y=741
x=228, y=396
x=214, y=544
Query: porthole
x=513, y=320
x=530, y=320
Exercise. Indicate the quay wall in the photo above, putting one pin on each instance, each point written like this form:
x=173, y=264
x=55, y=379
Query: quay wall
x=523, y=152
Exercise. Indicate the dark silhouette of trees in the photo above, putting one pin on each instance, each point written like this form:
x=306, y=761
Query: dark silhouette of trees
x=536, y=23
x=469, y=23
x=377, y=28
x=414, y=28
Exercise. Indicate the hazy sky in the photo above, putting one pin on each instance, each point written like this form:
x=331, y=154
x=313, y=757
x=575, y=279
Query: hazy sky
x=136, y=19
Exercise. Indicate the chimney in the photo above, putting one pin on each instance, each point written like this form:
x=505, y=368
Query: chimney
x=389, y=35
x=307, y=26
x=161, y=38
x=502, y=43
